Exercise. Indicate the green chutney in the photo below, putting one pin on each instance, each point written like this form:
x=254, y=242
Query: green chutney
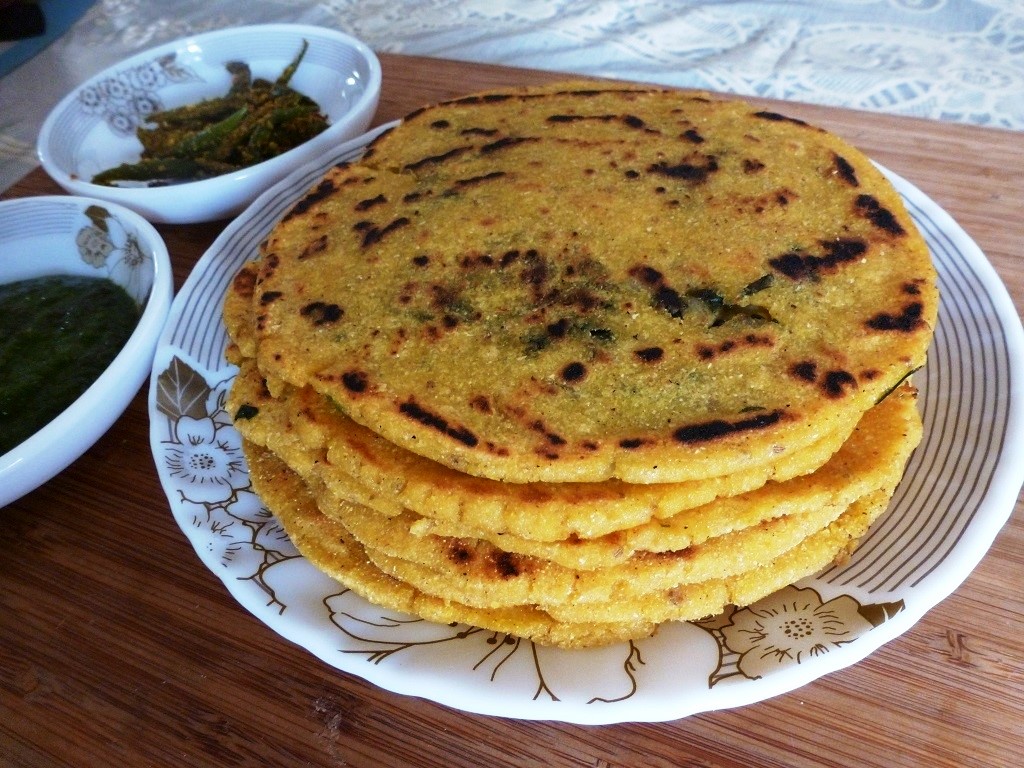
x=57, y=335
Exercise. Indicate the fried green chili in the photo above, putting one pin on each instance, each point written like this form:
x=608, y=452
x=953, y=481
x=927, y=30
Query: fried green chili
x=255, y=121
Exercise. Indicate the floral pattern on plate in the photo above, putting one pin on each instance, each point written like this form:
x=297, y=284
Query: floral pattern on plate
x=788, y=627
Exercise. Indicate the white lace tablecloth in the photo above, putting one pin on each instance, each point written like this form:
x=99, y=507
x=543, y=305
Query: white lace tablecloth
x=955, y=60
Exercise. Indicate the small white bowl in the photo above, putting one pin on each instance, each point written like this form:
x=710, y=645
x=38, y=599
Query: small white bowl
x=80, y=236
x=93, y=127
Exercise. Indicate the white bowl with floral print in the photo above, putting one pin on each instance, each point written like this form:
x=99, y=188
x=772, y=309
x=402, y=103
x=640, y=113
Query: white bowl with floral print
x=81, y=236
x=94, y=127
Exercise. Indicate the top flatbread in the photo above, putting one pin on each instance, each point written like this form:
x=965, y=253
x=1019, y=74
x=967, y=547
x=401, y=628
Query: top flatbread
x=583, y=283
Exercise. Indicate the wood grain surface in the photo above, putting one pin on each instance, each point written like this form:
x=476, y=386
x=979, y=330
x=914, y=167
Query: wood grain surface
x=118, y=648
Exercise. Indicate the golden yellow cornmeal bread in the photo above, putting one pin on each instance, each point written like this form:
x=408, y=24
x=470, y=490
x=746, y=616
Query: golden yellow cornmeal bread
x=327, y=546
x=359, y=465
x=874, y=455
x=755, y=528
x=570, y=362
x=384, y=581
x=583, y=283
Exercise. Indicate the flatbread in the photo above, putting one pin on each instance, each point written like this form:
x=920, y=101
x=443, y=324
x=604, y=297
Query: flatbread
x=874, y=455
x=487, y=573
x=582, y=283
x=833, y=545
x=360, y=466
x=569, y=362
x=328, y=547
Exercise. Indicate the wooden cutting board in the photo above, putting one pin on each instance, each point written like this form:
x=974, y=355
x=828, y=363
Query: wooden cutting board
x=117, y=647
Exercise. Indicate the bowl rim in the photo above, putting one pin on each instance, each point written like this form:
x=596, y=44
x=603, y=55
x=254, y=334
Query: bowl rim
x=127, y=197
x=21, y=468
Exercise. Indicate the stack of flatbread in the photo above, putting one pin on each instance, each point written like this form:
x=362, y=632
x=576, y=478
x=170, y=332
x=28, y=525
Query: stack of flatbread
x=570, y=362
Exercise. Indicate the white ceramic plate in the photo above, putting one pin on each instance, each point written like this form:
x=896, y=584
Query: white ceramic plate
x=960, y=487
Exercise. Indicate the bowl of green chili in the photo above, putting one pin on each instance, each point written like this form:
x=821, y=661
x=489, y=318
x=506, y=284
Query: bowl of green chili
x=194, y=130
x=85, y=290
